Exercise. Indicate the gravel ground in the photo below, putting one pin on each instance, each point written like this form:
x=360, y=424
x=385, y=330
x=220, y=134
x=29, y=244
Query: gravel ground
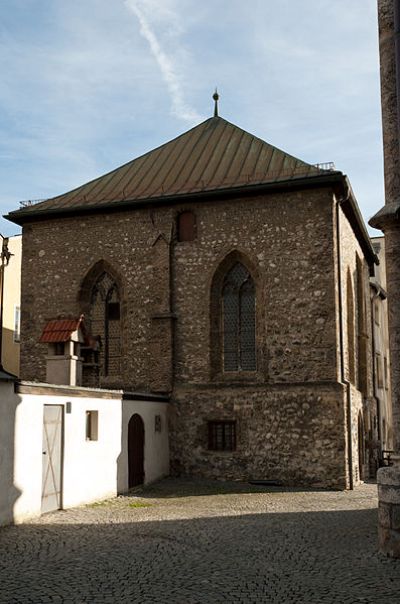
x=192, y=542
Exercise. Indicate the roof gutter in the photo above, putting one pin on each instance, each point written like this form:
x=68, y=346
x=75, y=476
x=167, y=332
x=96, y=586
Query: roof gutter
x=351, y=210
x=22, y=216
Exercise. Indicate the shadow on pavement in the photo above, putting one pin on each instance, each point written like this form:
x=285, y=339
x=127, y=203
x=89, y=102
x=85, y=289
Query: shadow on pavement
x=192, y=487
x=132, y=555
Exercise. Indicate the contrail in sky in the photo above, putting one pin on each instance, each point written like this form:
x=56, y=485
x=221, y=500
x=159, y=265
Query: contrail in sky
x=167, y=68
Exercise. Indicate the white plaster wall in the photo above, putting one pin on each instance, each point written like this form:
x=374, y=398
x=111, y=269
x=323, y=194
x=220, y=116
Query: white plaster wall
x=9, y=493
x=91, y=470
x=156, y=444
x=28, y=458
x=90, y=467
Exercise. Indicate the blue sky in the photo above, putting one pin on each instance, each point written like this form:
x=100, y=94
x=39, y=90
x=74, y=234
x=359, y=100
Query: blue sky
x=85, y=86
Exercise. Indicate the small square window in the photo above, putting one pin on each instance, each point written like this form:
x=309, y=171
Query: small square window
x=186, y=227
x=92, y=425
x=222, y=436
x=58, y=348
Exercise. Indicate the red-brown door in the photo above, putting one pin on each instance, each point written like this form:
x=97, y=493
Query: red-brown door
x=136, y=450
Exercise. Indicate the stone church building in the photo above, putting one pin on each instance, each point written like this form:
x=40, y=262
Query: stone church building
x=230, y=276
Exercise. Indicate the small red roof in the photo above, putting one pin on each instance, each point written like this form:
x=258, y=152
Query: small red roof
x=60, y=330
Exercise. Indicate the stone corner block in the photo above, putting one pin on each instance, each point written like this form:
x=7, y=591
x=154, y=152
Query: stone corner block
x=389, y=543
x=389, y=476
x=384, y=515
x=395, y=517
x=389, y=494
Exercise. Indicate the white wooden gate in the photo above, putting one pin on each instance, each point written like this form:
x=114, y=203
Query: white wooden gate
x=52, y=457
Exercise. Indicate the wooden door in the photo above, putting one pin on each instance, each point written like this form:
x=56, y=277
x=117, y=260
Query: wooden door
x=136, y=450
x=52, y=457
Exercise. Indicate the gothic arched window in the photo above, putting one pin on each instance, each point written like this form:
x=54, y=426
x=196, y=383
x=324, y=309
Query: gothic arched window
x=105, y=322
x=238, y=320
x=362, y=336
x=350, y=328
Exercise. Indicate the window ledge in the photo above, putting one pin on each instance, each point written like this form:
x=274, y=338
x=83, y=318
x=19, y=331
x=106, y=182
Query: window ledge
x=222, y=453
x=238, y=376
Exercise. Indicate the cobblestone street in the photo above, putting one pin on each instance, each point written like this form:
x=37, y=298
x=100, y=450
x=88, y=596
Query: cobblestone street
x=185, y=543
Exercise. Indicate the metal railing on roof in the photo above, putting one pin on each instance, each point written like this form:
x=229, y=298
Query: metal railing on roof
x=30, y=202
x=328, y=165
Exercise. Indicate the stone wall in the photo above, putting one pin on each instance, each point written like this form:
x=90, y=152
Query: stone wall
x=295, y=434
x=287, y=241
x=285, y=236
x=290, y=414
x=362, y=404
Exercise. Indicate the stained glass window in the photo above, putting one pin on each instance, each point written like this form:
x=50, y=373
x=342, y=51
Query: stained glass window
x=105, y=322
x=239, y=321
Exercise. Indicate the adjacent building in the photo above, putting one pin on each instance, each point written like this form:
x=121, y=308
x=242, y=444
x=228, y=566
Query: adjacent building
x=12, y=307
x=380, y=341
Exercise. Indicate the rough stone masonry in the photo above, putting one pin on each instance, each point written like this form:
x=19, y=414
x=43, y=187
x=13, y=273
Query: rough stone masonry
x=388, y=219
x=298, y=234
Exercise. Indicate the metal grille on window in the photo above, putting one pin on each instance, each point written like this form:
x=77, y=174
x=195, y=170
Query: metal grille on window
x=222, y=435
x=238, y=306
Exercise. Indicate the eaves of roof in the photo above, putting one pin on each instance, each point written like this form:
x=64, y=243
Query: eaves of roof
x=61, y=330
x=335, y=180
x=351, y=210
x=22, y=216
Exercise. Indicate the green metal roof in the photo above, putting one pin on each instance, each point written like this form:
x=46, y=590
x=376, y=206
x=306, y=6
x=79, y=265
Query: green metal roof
x=213, y=156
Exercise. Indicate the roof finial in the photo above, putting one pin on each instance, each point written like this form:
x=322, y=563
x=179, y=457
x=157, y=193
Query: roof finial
x=215, y=97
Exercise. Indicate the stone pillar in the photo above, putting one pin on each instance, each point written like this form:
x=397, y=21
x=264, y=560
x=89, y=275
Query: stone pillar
x=388, y=220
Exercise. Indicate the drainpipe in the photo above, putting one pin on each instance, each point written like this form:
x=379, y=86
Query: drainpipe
x=341, y=343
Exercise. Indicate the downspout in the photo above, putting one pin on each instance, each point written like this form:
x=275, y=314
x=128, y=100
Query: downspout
x=341, y=332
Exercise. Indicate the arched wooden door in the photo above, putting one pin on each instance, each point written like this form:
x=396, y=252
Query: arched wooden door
x=136, y=450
